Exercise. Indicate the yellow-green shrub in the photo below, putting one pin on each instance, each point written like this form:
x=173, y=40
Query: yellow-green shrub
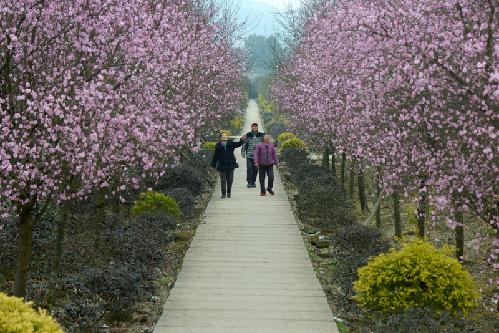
x=294, y=143
x=155, y=202
x=19, y=317
x=269, y=107
x=237, y=123
x=411, y=215
x=285, y=136
x=266, y=106
x=210, y=145
x=261, y=102
x=416, y=276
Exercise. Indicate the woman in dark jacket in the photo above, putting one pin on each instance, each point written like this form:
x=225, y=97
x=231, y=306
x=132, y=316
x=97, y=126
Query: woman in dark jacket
x=225, y=161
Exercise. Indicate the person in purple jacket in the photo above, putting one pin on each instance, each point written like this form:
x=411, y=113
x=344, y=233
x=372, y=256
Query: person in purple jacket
x=265, y=158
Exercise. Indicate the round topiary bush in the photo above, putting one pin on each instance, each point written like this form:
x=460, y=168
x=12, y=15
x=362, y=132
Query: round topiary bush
x=150, y=202
x=19, y=317
x=294, y=143
x=416, y=276
x=285, y=136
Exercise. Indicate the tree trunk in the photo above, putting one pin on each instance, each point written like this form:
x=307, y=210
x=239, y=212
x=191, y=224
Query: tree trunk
x=376, y=205
x=24, y=249
x=325, y=158
x=378, y=193
x=100, y=215
x=116, y=204
x=343, y=167
x=362, y=192
x=421, y=211
x=396, y=214
x=351, y=185
x=460, y=237
x=333, y=162
x=55, y=274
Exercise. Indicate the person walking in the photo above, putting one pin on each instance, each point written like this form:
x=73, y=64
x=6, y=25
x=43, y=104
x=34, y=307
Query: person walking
x=254, y=138
x=265, y=158
x=225, y=162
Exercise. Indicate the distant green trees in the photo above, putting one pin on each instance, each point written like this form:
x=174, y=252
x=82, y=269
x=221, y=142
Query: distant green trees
x=261, y=53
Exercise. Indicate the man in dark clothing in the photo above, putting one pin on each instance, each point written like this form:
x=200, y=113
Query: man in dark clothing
x=253, y=138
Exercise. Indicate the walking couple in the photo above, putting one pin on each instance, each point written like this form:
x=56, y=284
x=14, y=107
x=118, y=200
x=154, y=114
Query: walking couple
x=260, y=158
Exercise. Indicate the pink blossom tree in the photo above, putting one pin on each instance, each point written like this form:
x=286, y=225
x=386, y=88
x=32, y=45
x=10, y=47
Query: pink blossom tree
x=91, y=91
x=410, y=88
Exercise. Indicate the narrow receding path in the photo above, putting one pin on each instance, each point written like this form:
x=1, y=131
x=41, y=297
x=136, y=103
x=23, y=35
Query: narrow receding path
x=247, y=269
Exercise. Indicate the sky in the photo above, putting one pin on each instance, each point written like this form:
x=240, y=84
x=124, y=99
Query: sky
x=261, y=14
x=280, y=4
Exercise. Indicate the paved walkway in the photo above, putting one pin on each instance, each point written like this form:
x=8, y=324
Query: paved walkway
x=247, y=269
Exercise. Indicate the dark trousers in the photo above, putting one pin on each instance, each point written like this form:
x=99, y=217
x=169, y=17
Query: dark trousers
x=269, y=171
x=251, y=171
x=226, y=179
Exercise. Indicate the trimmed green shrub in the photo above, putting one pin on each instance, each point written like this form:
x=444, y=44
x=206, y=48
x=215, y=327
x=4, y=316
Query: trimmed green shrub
x=141, y=239
x=19, y=317
x=199, y=163
x=149, y=202
x=120, y=286
x=421, y=320
x=294, y=158
x=285, y=136
x=123, y=273
x=418, y=275
x=322, y=201
x=185, y=199
x=294, y=143
x=303, y=172
x=352, y=245
x=273, y=127
x=267, y=117
x=8, y=248
x=43, y=239
x=190, y=175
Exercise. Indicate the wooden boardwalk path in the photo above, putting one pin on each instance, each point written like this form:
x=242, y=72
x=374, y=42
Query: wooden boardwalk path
x=247, y=269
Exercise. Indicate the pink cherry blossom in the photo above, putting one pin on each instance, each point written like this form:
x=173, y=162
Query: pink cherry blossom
x=408, y=87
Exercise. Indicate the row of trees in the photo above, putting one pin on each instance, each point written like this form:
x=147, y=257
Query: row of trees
x=96, y=95
x=410, y=89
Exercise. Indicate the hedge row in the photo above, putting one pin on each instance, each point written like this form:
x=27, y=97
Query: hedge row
x=108, y=269
x=395, y=290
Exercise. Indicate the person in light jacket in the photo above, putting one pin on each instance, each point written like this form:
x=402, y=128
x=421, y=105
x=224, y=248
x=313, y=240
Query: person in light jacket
x=225, y=161
x=265, y=158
